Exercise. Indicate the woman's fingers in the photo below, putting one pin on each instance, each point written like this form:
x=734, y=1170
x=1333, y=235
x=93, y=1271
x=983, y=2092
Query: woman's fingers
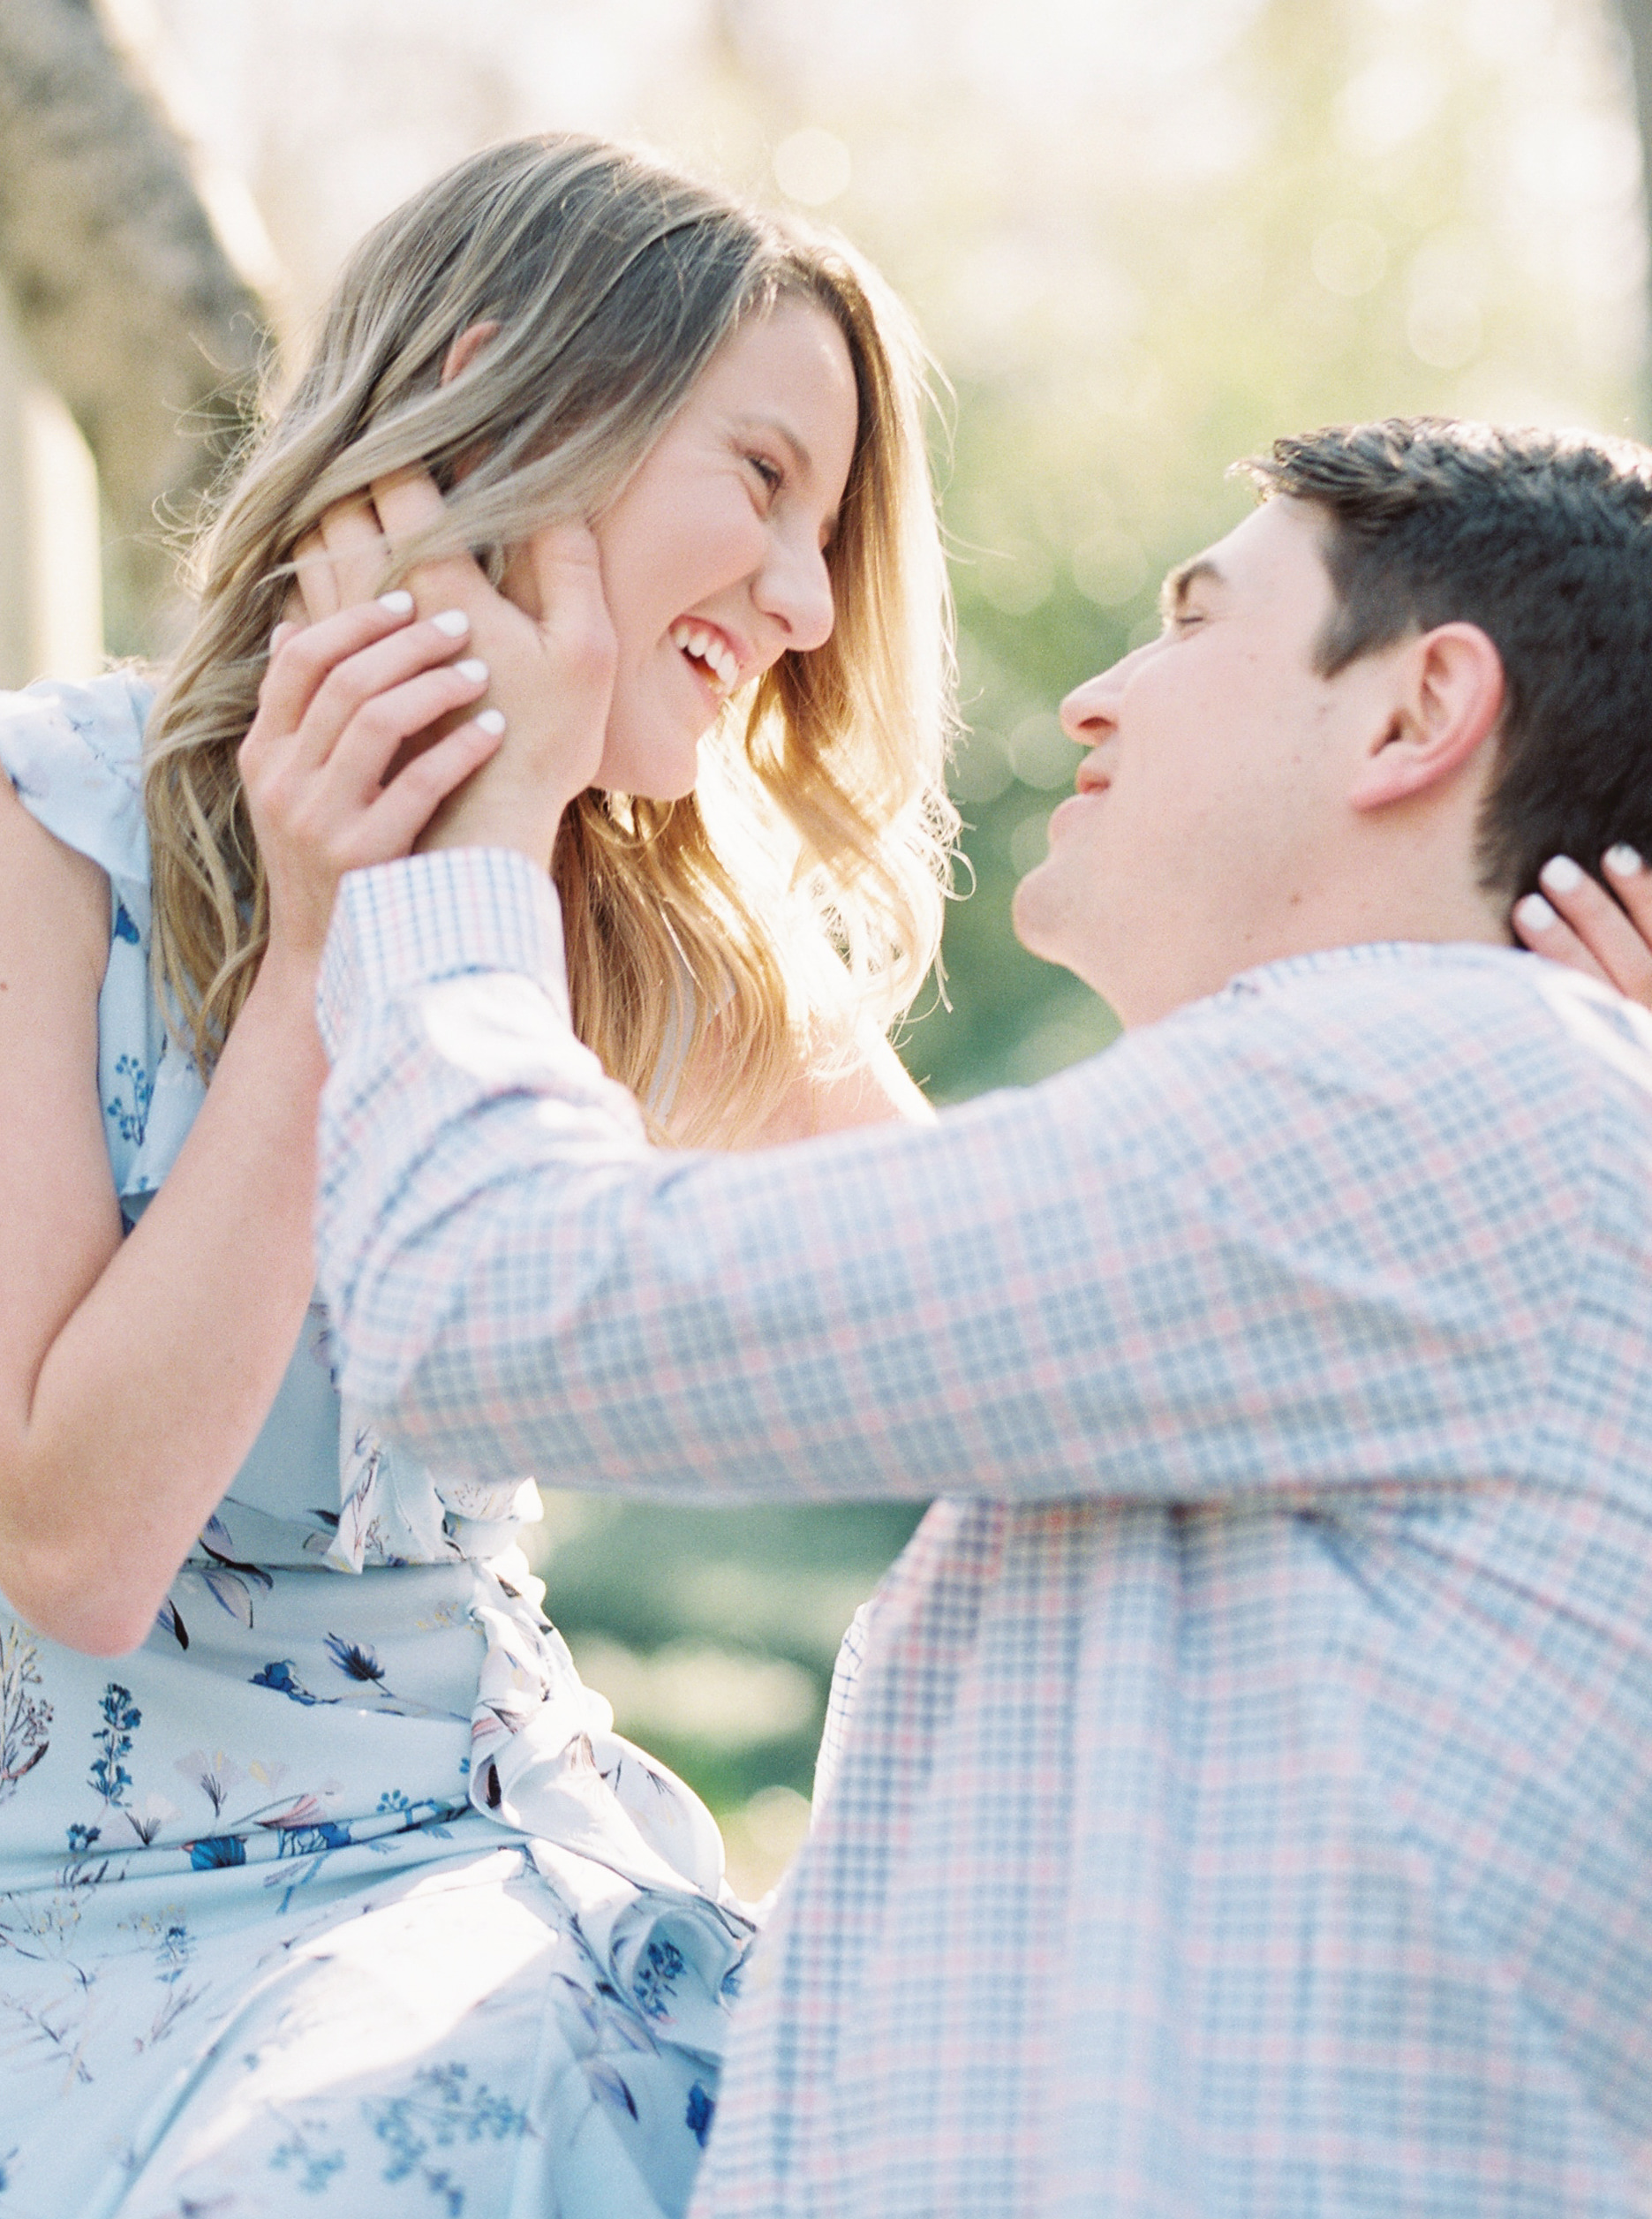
x=1590, y=930
x=342, y=700
x=316, y=821
x=1630, y=880
x=383, y=725
x=303, y=656
x=355, y=683
x=1542, y=928
x=351, y=682
x=417, y=790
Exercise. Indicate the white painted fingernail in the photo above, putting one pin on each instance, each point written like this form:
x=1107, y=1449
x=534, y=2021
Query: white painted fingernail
x=396, y=604
x=489, y=720
x=1561, y=875
x=454, y=621
x=1623, y=861
x=471, y=670
x=1535, y=914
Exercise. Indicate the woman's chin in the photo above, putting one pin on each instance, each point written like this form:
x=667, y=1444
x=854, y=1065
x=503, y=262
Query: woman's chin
x=658, y=777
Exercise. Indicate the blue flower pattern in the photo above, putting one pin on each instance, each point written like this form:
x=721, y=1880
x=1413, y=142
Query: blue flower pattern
x=121, y=1720
x=196, y=1841
x=283, y=1677
x=129, y=1111
x=701, y=2110
x=655, y=1980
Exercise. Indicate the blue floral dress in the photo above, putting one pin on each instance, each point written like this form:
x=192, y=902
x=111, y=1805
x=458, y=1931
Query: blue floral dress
x=341, y=1894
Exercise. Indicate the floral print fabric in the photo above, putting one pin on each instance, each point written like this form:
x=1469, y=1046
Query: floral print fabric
x=341, y=1893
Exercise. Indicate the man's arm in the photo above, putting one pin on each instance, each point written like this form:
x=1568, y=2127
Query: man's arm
x=1214, y=1261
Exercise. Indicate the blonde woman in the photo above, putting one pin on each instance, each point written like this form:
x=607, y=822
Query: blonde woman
x=324, y=1883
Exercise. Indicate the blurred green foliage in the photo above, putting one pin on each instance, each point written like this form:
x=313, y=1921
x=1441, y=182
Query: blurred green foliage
x=1340, y=210
x=720, y=1593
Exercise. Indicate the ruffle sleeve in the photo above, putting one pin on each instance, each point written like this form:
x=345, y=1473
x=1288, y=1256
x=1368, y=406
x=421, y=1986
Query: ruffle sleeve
x=74, y=754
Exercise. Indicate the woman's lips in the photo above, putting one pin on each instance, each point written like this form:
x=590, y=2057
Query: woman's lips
x=708, y=689
x=711, y=651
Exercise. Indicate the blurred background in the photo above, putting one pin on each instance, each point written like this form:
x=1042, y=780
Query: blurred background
x=1141, y=239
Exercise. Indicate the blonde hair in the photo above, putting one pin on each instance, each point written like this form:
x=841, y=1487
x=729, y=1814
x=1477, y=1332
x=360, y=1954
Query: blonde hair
x=798, y=890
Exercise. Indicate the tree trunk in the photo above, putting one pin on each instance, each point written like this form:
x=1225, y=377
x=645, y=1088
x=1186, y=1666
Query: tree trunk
x=1635, y=17
x=127, y=302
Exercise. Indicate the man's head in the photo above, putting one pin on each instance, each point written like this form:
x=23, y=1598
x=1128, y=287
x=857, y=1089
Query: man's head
x=1422, y=667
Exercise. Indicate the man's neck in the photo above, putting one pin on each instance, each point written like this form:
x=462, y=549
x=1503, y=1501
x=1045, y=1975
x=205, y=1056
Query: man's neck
x=1350, y=915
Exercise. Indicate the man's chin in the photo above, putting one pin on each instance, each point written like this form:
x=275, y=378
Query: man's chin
x=1046, y=921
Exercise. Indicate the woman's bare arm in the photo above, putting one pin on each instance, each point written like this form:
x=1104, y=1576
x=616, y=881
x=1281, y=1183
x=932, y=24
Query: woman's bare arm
x=134, y=1374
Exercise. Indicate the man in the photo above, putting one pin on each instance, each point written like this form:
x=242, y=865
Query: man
x=1245, y=1801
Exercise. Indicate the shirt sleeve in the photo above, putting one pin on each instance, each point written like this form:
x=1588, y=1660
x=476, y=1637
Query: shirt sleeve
x=1324, y=1238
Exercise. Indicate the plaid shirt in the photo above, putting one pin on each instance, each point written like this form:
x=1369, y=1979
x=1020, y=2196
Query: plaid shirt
x=1244, y=1804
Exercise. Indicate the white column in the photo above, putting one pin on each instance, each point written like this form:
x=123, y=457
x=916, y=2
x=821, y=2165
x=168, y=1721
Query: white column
x=51, y=598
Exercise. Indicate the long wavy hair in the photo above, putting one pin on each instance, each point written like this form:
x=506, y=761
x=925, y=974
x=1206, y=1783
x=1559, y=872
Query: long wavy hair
x=743, y=933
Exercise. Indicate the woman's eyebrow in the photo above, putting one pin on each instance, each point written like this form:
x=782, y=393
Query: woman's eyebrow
x=782, y=430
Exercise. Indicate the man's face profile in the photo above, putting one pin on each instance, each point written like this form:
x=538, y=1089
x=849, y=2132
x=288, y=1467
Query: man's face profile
x=1213, y=783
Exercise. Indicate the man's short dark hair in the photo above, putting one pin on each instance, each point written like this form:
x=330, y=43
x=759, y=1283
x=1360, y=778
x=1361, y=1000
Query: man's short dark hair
x=1544, y=540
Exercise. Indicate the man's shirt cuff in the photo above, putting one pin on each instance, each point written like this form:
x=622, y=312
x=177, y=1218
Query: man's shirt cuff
x=401, y=926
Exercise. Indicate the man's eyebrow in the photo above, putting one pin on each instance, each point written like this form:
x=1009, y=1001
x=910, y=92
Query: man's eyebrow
x=1173, y=594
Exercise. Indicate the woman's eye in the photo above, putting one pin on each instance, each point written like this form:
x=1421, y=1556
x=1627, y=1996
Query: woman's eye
x=769, y=473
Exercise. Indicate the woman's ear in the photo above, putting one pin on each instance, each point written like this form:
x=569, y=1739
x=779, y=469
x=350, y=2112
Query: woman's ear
x=1450, y=698
x=466, y=347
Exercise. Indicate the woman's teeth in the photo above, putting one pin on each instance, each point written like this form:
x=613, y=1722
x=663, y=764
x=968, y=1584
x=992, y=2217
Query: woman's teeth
x=707, y=647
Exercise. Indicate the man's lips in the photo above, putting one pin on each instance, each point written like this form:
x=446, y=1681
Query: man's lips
x=1088, y=786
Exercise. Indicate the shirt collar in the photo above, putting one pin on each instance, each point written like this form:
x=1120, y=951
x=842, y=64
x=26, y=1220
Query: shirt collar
x=1428, y=954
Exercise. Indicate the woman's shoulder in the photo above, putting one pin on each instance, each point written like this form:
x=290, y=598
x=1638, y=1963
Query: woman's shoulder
x=74, y=754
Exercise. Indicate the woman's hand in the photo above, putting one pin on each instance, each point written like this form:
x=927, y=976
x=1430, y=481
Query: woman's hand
x=1577, y=922
x=547, y=640
x=340, y=701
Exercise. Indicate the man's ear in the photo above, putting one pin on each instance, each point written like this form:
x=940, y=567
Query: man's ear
x=467, y=346
x=1449, y=697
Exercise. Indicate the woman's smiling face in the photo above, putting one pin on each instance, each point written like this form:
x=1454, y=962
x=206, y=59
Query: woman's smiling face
x=713, y=557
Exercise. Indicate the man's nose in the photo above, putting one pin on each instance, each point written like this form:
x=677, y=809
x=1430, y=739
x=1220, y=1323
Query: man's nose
x=1091, y=712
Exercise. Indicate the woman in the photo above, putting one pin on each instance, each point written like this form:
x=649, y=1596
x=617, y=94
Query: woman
x=340, y=1890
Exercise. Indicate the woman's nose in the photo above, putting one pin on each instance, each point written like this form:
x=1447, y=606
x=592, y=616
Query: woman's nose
x=794, y=587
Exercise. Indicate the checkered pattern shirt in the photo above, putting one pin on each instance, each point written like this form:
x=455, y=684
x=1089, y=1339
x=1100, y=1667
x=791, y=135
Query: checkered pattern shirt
x=1244, y=1802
